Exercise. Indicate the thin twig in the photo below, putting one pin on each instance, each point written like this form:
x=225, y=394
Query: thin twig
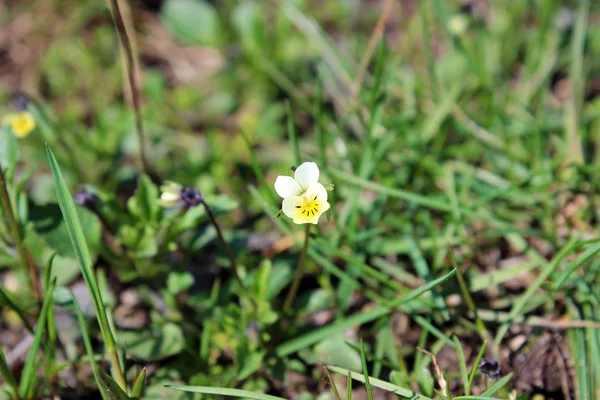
x=133, y=81
x=299, y=272
x=24, y=254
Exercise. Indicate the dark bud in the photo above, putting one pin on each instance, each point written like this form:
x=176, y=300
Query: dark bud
x=190, y=196
x=85, y=198
x=293, y=168
x=19, y=101
x=490, y=368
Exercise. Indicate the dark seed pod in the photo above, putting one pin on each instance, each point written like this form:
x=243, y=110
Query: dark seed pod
x=190, y=196
x=490, y=368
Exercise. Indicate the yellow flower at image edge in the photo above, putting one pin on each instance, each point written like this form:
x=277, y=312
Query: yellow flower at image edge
x=21, y=123
x=304, y=198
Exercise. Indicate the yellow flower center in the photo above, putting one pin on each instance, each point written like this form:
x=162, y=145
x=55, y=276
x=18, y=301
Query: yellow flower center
x=308, y=209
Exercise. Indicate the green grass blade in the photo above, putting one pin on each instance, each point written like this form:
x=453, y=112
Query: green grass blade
x=584, y=257
x=499, y=384
x=363, y=359
x=88, y=346
x=336, y=394
x=462, y=364
x=379, y=311
x=378, y=383
x=348, y=385
x=51, y=320
x=7, y=375
x=224, y=392
x=28, y=376
x=476, y=366
x=69, y=213
x=139, y=385
x=526, y=297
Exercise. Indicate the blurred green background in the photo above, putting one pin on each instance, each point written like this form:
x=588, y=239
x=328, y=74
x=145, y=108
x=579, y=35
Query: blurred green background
x=456, y=133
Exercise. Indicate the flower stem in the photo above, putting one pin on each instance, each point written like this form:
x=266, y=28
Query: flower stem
x=299, y=272
x=24, y=254
x=233, y=262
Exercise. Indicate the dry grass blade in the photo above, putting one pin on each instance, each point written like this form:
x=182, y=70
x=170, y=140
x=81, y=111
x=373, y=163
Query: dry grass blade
x=438, y=372
x=132, y=77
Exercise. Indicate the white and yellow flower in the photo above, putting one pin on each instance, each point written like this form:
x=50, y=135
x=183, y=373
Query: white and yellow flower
x=304, y=198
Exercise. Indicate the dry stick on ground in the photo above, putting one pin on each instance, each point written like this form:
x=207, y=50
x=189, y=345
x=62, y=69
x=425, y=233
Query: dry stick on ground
x=132, y=77
x=375, y=37
x=24, y=253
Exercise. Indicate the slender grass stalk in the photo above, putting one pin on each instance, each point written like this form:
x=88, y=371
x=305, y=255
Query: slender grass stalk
x=226, y=248
x=133, y=81
x=24, y=254
x=334, y=390
x=428, y=49
x=69, y=213
x=299, y=272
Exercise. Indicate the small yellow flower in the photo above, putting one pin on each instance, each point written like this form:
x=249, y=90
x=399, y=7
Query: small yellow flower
x=304, y=198
x=21, y=123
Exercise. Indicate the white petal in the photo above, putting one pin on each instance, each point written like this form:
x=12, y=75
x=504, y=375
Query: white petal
x=286, y=186
x=306, y=174
x=289, y=205
x=317, y=189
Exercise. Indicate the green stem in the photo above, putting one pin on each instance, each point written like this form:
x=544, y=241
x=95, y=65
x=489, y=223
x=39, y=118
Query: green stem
x=24, y=254
x=226, y=248
x=299, y=272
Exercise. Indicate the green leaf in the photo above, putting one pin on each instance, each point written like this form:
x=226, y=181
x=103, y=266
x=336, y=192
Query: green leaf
x=248, y=360
x=179, y=281
x=143, y=204
x=333, y=350
x=28, y=376
x=149, y=346
x=49, y=224
x=192, y=21
x=225, y=392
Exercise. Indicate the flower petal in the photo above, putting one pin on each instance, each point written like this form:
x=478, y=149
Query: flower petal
x=286, y=186
x=317, y=189
x=289, y=205
x=306, y=174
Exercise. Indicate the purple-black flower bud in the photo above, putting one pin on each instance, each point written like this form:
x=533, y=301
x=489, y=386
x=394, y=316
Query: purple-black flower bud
x=490, y=368
x=85, y=198
x=190, y=196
